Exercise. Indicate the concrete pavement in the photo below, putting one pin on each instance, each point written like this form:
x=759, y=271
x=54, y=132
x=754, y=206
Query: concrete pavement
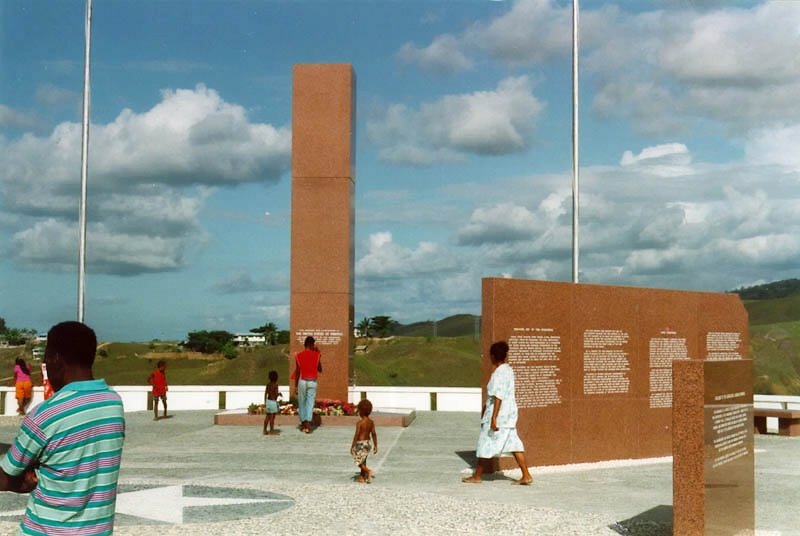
x=183, y=475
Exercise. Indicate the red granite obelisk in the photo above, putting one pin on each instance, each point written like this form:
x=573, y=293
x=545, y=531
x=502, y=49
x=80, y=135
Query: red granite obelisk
x=323, y=219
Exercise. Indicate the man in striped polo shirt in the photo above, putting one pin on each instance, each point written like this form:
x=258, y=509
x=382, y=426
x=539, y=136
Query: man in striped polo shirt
x=68, y=450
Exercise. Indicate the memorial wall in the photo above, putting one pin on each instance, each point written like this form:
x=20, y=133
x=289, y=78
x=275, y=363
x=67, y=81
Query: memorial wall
x=323, y=219
x=593, y=363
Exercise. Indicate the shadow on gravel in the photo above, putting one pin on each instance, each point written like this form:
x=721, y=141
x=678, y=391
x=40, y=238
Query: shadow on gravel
x=654, y=522
x=4, y=448
x=468, y=456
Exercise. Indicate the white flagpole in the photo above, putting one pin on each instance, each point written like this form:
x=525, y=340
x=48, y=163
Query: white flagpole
x=84, y=164
x=575, y=140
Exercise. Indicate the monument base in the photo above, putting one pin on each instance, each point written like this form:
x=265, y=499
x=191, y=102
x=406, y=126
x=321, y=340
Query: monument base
x=240, y=417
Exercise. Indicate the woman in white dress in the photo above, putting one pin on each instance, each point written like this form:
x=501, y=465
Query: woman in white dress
x=498, y=435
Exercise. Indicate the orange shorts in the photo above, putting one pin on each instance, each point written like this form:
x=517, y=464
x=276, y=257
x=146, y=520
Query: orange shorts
x=24, y=389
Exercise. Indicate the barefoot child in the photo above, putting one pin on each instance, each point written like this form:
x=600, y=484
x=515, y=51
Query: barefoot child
x=365, y=429
x=271, y=395
x=158, y=379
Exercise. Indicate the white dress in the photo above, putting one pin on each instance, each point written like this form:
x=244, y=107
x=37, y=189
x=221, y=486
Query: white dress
x=505, y=440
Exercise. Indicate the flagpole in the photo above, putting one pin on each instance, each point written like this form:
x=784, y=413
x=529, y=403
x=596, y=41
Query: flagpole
x=84, y=164
x=575, y=140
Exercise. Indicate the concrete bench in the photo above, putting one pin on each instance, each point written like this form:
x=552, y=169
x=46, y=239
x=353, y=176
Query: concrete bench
x=788, y=420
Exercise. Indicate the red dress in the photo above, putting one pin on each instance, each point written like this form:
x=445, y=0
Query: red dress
x=159, y=380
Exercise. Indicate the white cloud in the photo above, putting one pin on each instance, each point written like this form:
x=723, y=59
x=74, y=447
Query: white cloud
x=778, y=145
x=51, y=95
x=242, y=282
x=735, y=66
x=499, y=223
x=150, y=174
x=665, y=70
x=443, y=55
x=729, y=46
x=665, y=160
x=10, y=118
x=484, y=122
x=51, y=245
x=532, y=31
x=384, y=259
x=642, y=227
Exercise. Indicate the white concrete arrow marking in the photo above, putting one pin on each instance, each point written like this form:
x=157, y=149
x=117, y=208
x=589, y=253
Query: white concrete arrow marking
x=166, y=504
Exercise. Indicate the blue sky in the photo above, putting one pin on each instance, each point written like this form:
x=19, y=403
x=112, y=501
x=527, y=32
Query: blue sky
x=689, y=152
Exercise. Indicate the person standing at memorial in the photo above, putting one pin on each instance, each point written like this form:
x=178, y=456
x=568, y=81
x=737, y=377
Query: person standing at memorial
x=158, y=379
x=498, y=435
x=69, y=447
x=309, y=365
x=271, y=394
x=22, y=385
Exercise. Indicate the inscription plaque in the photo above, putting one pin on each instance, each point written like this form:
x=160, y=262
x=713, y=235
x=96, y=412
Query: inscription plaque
x=713, y=460
x=605, y=362
x=663, y=351
x=534, y=355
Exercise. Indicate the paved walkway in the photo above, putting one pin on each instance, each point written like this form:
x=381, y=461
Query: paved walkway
x=190, y=477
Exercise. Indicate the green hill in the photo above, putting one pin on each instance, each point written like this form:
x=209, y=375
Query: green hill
x=769, y=291
x=776, y=360
x=422, y=361
x=773, y=311
x=452, y=326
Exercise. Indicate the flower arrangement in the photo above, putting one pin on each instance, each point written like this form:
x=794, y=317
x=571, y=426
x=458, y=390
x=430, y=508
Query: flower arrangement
x=326, y=406
x=323, y=406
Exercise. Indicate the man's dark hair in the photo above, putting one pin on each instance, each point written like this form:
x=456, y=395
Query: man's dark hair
x=75, y=342
x=309, y=343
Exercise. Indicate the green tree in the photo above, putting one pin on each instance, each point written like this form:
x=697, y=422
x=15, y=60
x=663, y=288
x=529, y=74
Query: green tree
x=365, y=327
x=270, y=332
x=283, y=336
x=18, y=337
x=383, y=325
x=229, y=351
x=208, y=342
x=3, y=327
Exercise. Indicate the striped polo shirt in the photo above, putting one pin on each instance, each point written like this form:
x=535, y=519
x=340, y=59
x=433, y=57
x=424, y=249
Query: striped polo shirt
x=75, y=437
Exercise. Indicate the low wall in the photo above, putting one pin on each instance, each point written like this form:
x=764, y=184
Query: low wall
x=217, y=397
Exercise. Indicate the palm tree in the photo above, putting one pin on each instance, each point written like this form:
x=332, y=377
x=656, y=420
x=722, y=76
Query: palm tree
x=382, y=325
x=365, y=327
x=270, y=332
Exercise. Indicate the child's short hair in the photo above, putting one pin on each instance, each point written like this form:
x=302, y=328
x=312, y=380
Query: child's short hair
x=273, y=375
x=161, y=362
x=364, y=408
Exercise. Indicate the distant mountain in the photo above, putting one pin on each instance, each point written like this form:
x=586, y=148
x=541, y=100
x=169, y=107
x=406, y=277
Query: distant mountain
x=769, y=291
x=452, y=326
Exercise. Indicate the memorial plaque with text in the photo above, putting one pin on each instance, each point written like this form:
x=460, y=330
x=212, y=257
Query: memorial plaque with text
x=713, y=458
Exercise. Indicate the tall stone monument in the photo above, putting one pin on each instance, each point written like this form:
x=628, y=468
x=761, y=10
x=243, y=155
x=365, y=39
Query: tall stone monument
x=713, y=467
x=593, y=363
x=323, y=219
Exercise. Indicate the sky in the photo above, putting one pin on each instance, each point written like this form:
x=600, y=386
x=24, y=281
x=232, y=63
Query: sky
x=689, y=160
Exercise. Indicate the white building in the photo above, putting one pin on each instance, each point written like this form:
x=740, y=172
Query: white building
x=249, y=339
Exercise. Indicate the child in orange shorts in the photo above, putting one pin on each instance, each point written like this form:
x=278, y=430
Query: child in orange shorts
x=23, y=385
